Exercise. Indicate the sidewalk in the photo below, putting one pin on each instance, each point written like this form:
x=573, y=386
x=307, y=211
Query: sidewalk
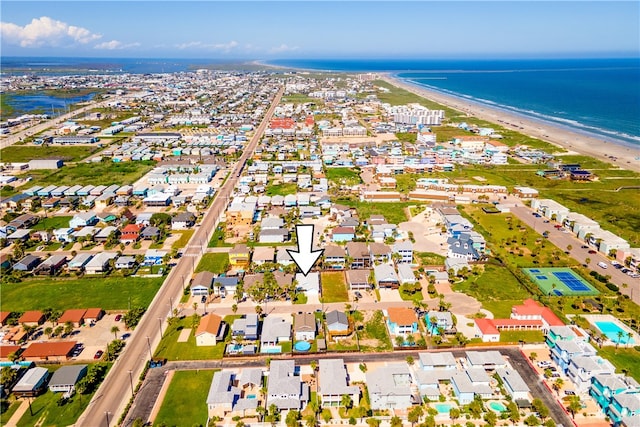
x=24, y=407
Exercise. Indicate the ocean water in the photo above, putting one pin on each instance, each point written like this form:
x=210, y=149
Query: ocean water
x=598, y=96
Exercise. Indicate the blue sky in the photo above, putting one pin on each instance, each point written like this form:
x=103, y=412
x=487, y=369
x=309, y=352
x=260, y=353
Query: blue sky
x=267, y=30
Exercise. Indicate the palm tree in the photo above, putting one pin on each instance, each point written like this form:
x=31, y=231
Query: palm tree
x=48, y=331
x=533, y=356
x=114, y=331
x=574, y=405
x=557, y=385
x=620, y=334
x=346, y=401
x=234, y=308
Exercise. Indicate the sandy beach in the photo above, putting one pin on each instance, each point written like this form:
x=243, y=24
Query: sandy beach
x=625, y=157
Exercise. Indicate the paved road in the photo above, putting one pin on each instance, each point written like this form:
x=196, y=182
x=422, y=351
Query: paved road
x=151, y=387
x=114, y=393
x=18, y=136
x=562, y=240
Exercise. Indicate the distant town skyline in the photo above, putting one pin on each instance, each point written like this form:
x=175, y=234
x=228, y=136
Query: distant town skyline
x=309, y=29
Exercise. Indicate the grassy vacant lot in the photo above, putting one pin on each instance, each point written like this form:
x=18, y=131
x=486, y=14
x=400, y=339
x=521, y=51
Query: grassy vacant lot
x=24, y=153
x=374, y=336
x=110, y=293
x=299, y=98
x=623, y=359
x=516, y=242
x=105, y=172
x=217, y=240
x=429, y=258
x=346, y=176
x=334, y=287
x=282, y=189
x=496, y=288
x=526, y=336
x=215, y=263
x=185, y=235
x=392, y=211
x=52, y=222
x=8, y=409
x=177, y=407
x=173, y=350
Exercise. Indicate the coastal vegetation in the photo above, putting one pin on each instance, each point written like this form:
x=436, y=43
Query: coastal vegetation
x=344, y=176
x=24, y=153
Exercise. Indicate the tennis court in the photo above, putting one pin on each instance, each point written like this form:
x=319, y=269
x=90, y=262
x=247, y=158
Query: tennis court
x=560, y=281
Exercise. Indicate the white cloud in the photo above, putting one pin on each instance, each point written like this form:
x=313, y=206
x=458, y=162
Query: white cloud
x=45, y=31
x=222, y=47
x=283, y=48
x=115, y=45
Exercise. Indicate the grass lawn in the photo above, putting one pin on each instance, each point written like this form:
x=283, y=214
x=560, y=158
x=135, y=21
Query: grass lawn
x=526, y=336
x=52, y=222
x=24, y=153
x=171, y=349
x=392, y=211
x=186, y=387
x=217, y=240
x=105, y=172
x=282, y=189
x=375, y=329
x=623, y=359
x=8, y=409
x=496, y=288
x=185, y=235
x=346, y=176
x=429, y=258
x=110, y=293
x=334, y=287
x=215, y=263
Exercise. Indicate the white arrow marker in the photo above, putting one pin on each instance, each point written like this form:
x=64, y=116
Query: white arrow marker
x=304, y=257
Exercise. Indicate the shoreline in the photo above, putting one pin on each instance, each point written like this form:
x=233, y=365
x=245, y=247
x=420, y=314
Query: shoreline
x=568, y=139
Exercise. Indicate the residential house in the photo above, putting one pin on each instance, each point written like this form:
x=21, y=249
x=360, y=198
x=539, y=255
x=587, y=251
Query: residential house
x=51, y=266
x=405, y=251
x=380, y=253
x=32, y=383
x=390, y=387
x=470, y=383
x=487, y=360
x=183, y=221
x=125, y=262
x=333, y=383
x=338, y=323
x=406, y=275
x=385, y=276
x=83, y=219
x=263, y=254
x=202, y=283
x=582, y=369
x=438, y=360
x=224, y=286
x=65, y=378
x=225, y=398
x=285, y=387
x=79, y=262
x=513, y=384
x=304, y=326
x=343, y=234
x=401, y=321
x=239, y=257
x=309, y=284
x=279, y=235
x=104, y=233
x=210, y=330
x=27, y=264
x=130, y=233
x=359, y=254
x=246, y=327
x=150, y=233
x=334, y=257
x=31, y=318
x=358, y=279
x=275, y=329
x=154, y=257
x=100, y=263
x=440, y=320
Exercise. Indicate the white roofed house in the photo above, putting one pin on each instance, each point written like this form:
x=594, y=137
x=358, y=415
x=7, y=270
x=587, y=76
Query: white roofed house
x=405, y=250
x=390, y=387
x=333, y=380
x=304, y=326
x=285, y=387
x=227, y=398
x=309, y=284
x=100, y=263
x=406, y=274
x=513, y=383
x=275, y=329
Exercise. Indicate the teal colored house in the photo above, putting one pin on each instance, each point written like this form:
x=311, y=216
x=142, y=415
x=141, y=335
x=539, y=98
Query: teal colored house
x=617, y=395
x=402, y=321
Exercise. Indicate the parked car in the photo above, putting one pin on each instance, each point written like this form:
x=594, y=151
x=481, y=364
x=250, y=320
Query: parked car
x=592, y=251
x=358, y=294
x=98, y=354
x=118, y=317
x=203, y=299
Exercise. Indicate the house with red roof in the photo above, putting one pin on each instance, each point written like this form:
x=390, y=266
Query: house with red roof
x=130, y=233
x=529, y=316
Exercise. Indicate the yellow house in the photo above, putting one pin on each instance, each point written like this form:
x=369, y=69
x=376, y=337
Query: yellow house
x=239, y=256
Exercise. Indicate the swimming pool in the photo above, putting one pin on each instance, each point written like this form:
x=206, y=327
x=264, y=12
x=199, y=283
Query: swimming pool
x=497, y=406
x=251, y=396
x=611, y=330
x=443, y=408
x=302, y=346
